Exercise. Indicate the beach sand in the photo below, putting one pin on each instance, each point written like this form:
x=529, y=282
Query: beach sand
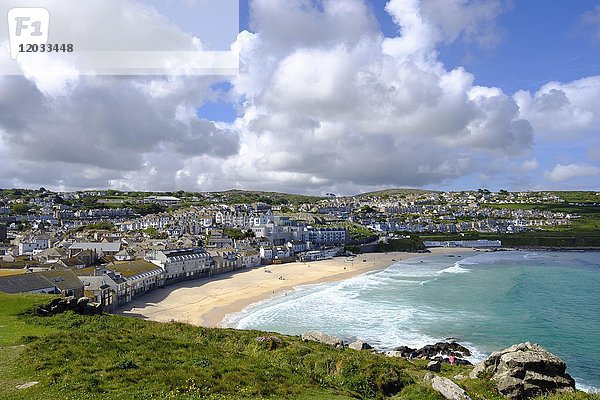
x=206, y=302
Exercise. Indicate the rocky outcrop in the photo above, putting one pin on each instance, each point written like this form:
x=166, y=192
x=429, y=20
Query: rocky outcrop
x=446, y=387
x=360, y=345
x=437, y=352
x=525, y=370
x=435, y=366
x=83, y=305
x=323, y=338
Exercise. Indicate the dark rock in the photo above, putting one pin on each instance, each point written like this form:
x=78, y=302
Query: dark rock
x=83, y=301
x=435, y=366
x=526, y=370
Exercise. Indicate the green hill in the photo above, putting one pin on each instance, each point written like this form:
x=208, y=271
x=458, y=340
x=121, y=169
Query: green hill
x=73, y=356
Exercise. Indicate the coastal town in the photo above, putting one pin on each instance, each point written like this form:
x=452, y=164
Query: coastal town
x=113, y=247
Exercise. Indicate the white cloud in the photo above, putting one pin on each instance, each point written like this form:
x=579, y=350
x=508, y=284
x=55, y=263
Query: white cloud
x=326, y=103
x=592, y=18
x=530, y=165
x=569, y=172
x=559, y=109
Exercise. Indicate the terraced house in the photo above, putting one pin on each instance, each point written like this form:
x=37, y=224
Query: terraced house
x=182, y=264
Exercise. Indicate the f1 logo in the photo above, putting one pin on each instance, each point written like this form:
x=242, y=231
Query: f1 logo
x=27, y=26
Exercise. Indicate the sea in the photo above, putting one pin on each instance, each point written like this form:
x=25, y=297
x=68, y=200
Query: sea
x=486, y=301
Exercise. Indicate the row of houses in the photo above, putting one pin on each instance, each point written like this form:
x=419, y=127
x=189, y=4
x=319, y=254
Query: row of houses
x=117, y=282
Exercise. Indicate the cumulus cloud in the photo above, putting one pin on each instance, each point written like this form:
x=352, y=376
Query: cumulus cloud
x=561, y=173
x=559, y=109
x=325, y=101
x=362, y=109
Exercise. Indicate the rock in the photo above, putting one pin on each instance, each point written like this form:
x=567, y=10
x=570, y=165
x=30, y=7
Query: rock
x=459, y=377
x=56, y=301
x=323, y=338
x=83, y=301
x=406, y=351
x=393, y=353
x=435, y=366
x=526, y=370
x=443, y=348
x=360, y=345
x=27, y=385
x=446, y=387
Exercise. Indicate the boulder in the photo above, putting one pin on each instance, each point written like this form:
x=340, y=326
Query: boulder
x=446, y=387
x=525, y=370
x=443, y=348
x=360, y=345
x=323, y=338
x=393, y=353
x=83, y=301
x=434, y=366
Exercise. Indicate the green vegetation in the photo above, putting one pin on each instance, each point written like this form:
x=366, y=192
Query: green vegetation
x=18, y=208
x=153, y=233
x=237, y=233
x=410, y=244
x=114, y=357
x=272, y=198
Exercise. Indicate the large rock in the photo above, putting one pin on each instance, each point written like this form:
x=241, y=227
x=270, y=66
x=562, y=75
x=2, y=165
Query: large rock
x=525, y=370
x=434, y=366
x=446, y=387
x=360, y=345
x=436, y=352
x=323, y=338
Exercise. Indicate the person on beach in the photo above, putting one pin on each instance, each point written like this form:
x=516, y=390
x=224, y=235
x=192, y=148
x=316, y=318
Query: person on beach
x=451, y=359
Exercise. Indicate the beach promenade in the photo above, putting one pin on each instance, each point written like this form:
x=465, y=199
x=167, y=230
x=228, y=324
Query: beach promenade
x=207, y=301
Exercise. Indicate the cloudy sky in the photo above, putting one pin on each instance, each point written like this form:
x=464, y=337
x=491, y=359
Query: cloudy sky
x=338, y=96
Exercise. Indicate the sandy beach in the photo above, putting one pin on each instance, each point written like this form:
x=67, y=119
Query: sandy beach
x=207, y=301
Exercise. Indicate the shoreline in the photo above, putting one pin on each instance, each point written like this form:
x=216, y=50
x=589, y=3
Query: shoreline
x=206, y=302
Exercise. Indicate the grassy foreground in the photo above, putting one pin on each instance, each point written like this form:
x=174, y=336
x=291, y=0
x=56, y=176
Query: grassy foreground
x=115, y=357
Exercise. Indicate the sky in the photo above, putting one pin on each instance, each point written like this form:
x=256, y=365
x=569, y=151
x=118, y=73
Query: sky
x=341, y=96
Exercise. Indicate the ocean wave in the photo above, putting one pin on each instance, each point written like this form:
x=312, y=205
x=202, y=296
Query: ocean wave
x=585, y=387
x=455, y=269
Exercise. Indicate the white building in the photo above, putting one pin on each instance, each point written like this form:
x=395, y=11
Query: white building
x=182, y=264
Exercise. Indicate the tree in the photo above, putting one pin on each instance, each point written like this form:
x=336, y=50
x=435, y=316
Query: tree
x=20, y=208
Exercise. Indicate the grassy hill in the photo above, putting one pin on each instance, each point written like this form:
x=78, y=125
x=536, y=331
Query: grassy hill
x=114, y=357
x=396, y=192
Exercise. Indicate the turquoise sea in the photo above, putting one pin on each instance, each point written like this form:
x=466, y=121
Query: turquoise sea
x=487, y=301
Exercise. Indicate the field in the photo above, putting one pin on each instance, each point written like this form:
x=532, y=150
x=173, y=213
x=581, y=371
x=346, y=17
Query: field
x=114, y=357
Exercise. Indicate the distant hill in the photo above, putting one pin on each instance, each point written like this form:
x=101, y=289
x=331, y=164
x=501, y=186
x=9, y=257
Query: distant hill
x=396, y=191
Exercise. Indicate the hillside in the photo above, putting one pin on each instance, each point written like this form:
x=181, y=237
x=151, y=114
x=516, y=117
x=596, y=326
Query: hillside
x=395, y=192
x=113, y=357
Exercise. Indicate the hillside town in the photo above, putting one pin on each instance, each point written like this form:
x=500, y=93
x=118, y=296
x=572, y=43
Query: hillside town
x=114, y=247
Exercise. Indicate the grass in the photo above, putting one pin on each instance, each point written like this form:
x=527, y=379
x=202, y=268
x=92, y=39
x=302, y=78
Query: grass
x=116, y=357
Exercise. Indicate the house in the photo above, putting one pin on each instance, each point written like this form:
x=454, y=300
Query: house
x=50, y=255
x=101, y=249
x=297, y=246
x=182, y=264
x=266, y=253
x=30, y=245
x=62, y=282
x=224, y=260
x=249, y=258
x=141, y=276
x=125, y=255
x=99, y=290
